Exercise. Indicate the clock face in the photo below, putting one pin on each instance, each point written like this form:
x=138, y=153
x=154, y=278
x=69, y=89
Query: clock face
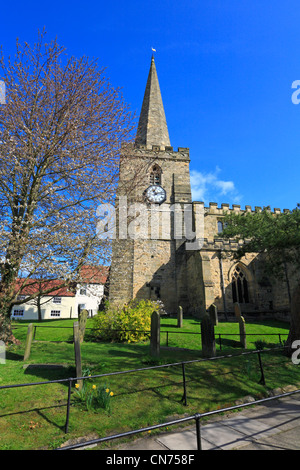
x=156, y=194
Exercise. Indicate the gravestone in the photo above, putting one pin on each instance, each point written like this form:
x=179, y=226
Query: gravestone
x=2, y=352
x=179, y=317
x=213, y=313
x=83, y=315
x=237, y=311
x=77, y=351
x=243, y=332
x=28, y=342
x=208, y=337
x=155, y=335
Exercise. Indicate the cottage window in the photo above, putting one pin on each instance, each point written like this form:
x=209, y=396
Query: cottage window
x=18, y=312
x=57, y=300
x=55, y=313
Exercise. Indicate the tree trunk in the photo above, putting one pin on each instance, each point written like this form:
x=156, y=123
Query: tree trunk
x=294, y=333
x=39, y=308
x=6, y=334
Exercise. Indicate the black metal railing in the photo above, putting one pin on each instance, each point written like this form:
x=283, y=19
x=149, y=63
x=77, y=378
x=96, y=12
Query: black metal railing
x=181, y=364
x=163, y=332
x=197, y=417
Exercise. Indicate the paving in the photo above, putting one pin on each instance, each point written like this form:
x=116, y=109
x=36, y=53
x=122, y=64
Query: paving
x=273, y=425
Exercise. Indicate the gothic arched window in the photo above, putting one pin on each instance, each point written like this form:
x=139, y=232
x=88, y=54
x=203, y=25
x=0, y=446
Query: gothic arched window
x=155, y=175
x=239, y=284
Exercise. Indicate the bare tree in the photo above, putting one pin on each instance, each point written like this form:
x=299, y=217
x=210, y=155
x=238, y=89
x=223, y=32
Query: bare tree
x=61, y=129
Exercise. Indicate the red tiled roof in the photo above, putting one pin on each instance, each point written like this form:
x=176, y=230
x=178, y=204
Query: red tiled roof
x=94, y=274
x=88, y=274
x=33, y=286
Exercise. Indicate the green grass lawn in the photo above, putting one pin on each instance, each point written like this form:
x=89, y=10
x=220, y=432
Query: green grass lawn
x=33, y=417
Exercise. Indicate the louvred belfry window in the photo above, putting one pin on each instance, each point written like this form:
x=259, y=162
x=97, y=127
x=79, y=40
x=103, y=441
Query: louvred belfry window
x=155, y=175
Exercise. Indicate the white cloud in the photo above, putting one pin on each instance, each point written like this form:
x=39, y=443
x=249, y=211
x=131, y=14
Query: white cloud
x=208, y=187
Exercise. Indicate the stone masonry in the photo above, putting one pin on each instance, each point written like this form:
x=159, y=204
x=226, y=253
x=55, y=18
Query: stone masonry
x=156, y=265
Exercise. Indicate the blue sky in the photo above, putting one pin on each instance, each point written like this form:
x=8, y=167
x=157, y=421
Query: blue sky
x=225, y=68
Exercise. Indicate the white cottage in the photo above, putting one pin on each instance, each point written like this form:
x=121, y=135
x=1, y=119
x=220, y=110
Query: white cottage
x=60, y=302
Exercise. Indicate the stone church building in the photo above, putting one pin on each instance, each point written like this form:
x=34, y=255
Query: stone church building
x=153, y=258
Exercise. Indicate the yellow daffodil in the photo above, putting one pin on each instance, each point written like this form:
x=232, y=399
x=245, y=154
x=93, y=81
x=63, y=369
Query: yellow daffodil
x=107, y=390
x=111, y=394
x=94, y=387
x=76, y=385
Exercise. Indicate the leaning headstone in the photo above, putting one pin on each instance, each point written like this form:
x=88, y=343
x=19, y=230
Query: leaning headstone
x=179, y=317
x=77, y=353
x=237, y=311
x=28, y=341
x=155, y=335
x=83, y=315
x=208, y=337
x=213, y=313
x=243, y=332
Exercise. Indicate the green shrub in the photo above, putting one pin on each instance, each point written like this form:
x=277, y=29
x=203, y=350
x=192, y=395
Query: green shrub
x=129, y=323
x=260, y=344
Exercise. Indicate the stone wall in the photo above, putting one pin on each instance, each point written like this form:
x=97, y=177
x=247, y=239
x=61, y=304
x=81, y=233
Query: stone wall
x=210, y=272
x=157, y=266
x=148, y=266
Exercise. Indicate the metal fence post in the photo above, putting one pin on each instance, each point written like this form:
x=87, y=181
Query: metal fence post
x=184, y=385
x=262, y=378
x=68, y=407
x=198, y=432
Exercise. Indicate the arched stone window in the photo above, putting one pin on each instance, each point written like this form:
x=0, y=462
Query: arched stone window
x=155, y=175
x=239, y=284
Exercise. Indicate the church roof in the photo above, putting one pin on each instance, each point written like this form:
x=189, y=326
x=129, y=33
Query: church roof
x=152, y=127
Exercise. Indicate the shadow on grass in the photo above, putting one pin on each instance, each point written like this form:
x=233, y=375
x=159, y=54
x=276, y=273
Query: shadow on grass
x=11, y=356
x=169, y=325
x=230, y=343
x=49, y=372
x=39, y=411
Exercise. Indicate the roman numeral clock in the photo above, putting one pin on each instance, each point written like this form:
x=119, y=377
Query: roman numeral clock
x=155, y=194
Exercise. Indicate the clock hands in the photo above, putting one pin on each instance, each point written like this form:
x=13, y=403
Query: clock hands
x=156, y=193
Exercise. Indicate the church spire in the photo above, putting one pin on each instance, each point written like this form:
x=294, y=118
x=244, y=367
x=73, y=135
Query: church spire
x=152, y=127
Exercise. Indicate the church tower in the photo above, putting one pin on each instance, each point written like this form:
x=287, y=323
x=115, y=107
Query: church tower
x=148, y=262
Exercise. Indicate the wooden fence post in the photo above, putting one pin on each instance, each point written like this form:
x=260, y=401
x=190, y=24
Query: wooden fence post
x=83, y=315
x=28, y=341
x=77, y=353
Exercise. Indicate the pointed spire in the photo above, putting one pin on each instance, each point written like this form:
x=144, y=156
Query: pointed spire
x=152, y=127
